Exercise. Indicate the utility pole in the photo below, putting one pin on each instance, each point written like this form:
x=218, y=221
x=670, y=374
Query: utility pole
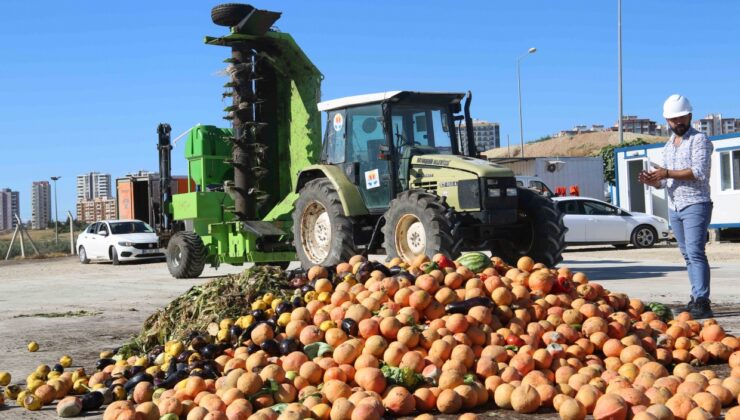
x=508, y=144
x=56, y=216
x=519, y=85
x=619, y=72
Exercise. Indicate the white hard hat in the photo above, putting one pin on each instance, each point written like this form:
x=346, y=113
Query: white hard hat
x=676, y=106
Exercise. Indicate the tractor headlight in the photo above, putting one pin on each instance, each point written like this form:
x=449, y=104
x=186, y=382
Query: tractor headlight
x=511, y=192
x=124, y=243
x=494, y=193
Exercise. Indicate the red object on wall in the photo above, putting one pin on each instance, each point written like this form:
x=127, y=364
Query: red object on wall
x=574, y=191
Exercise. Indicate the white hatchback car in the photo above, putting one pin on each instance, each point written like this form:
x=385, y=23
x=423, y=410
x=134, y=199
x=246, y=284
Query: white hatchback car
x=590, y=222
x=118, y=241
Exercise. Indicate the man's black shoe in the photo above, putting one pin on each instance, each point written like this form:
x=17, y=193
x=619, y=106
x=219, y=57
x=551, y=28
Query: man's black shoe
x=686, y=308
x=701, y=309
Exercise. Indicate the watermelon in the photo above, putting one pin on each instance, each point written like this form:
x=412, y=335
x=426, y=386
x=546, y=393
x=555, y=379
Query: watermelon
x=474, y=261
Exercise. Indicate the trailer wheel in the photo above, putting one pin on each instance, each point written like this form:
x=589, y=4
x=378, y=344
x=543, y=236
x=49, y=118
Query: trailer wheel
x=186, y=255
x=418, y=223
x=322, y=234
x=230, y=14
x=542, y=236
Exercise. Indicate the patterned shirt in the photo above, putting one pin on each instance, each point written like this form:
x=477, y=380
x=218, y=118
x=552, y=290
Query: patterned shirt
x=695, y=153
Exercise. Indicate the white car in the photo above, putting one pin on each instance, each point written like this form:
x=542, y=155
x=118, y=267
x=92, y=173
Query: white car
x=118, y=241
x=590, y=221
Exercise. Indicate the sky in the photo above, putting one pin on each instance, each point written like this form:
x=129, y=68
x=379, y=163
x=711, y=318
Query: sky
x=84, y=84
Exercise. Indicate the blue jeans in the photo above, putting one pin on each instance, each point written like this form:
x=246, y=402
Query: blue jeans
x=690, y=226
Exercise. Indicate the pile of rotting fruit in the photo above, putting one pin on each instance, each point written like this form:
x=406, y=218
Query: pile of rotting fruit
x=366, y=340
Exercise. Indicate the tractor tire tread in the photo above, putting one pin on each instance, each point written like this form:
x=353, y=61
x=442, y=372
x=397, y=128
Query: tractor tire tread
x=193, y=258
x=342, y=242
x=549, y=231
x=439, y=218
x=230, y=14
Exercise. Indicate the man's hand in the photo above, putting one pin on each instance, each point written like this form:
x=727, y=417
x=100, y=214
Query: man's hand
x=652, y=178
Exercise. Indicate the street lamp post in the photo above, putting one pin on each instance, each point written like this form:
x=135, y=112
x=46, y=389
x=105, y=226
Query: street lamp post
x=56, y=218
x=519, y=83
x=619, y=70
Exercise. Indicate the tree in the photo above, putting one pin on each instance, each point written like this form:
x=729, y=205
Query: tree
x=607, y=155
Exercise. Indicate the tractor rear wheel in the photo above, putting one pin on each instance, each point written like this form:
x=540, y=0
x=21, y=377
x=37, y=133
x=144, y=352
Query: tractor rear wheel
x=418, y=223
x=542, y=236
x=186, y=255
x=322, y=233
x=230, y=14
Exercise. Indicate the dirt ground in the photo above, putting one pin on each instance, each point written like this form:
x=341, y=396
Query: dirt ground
x=80, y=310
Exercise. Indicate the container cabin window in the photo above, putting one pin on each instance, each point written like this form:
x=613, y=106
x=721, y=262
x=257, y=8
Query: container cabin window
x=730, y=170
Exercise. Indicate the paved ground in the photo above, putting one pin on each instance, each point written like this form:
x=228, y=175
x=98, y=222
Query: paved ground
x=118, y=299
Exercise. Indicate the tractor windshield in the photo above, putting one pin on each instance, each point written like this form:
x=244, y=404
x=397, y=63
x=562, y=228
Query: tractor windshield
x=424, y=126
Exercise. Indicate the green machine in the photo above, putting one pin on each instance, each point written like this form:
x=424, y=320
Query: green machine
x=395, y=174
x=239, y=209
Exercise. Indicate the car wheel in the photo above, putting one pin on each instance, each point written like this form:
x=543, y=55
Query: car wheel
x=83, y=256
x=114, y=256
x=644, y=236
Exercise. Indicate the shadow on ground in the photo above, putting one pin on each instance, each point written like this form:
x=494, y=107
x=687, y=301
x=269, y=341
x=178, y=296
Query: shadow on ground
x=630, y=272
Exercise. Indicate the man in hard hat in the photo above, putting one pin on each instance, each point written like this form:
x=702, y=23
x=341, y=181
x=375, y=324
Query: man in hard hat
x=685, y=176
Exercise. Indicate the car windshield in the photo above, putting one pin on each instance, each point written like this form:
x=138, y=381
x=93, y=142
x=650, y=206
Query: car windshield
x=122, y=228
x=421, y=126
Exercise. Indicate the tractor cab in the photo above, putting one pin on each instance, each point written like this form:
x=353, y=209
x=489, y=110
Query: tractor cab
x=374, y=138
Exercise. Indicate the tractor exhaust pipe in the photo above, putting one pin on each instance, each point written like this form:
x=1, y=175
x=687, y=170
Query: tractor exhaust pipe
x=469, y=132
x=165, y=177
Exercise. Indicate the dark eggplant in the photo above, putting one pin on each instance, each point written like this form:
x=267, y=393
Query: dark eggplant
x=406, y=275
x=283, y=307
x=252, y=348
x=198, y=342
x=271, y=347
x=289, y=345
x=382, y=268
x=259, y=314
x=235, y=330
x=109, y=382
x=92, y=401
x=306, y=288
x=349, y=326
x=102, y=363
x=210, y=351
x=272, y=323
x=171, y=368
x=172, y=380
x=395, y=270
x=184, y=356
x=139, y=377
x=182, y=366
x=465, y=306
x=297, y=302
x=58, y=368
x=135, y=370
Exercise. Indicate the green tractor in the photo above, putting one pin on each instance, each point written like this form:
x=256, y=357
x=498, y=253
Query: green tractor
x=392, y=174
x=393, y=165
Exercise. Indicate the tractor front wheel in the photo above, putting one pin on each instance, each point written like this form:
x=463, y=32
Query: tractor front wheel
x=322, y=233
x=418, y=223
x=542, y=235
x=186, y=255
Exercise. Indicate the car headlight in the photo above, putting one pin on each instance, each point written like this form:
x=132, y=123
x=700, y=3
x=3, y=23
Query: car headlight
x=494, y=193
x=511, y=192
x=124, y=243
